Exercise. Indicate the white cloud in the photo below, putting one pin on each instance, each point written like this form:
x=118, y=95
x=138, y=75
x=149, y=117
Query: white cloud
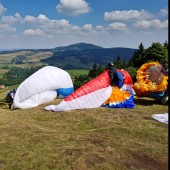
x=6, y=28
x=29, y=19
x=127, y=15
x=87, y=27
x=2, y=9
x=31, y=32
x=42, y=18
x=75, y=28
x=9, y=19
x=155, y=24
x=100, y=28
x=117, y=26
x=17, y=15
x=73, y=7
x=45, y=22
x=163, y=12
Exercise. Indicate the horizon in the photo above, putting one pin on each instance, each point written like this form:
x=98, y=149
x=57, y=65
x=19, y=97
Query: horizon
x=57, y=47
x=58, y=23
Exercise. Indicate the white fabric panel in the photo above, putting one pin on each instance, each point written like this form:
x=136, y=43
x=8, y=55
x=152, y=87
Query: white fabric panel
x=35, y=89
x=91, y=100
x=161, y=117
x=37, y=99
x=126, y=87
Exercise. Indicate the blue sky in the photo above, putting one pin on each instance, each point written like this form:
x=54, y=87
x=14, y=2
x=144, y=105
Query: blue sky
x=107, y=23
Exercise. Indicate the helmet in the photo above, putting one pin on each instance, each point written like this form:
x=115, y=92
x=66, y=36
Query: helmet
x=110, y=65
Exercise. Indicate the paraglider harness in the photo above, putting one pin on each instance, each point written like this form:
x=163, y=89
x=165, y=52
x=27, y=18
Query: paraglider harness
x=161, y=97
x=10, y=98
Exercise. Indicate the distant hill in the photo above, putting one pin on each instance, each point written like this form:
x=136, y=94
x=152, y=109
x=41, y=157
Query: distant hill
x=75, y=56
x=78, y=47
x=83, y=56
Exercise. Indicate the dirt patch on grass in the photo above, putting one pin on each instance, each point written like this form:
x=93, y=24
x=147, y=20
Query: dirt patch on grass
x=93, y=159
x=141, y=161
x=75, y=152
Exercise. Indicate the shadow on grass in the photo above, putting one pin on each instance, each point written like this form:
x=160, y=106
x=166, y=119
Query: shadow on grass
x=145, y=101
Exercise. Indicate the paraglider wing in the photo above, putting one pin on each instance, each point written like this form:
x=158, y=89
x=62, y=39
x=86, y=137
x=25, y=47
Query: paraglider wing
x=128, y=82
x=91, y=95
x=122, y=97
x=150, y=79
x=43, y=86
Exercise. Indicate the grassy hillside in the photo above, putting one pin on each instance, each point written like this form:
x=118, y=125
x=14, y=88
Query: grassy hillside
x=87, y=139
x=32, y=58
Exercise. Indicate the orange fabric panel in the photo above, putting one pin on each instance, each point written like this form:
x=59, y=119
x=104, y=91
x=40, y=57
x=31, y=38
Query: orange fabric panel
x=117, y=96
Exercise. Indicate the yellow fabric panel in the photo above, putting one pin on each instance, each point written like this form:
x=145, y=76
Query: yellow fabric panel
x=117, y=95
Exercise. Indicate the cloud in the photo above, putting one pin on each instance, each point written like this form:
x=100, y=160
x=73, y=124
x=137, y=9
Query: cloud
x=31, y=32
x=6, y=28
x=45, y=22
x=127, y=15
x=2, y=9
x=42, y=18
x=117, y=26
x=155, y=24
x=100, y=28
x=11, y=19
x=29, y=19
x=73, y=7
x=87, y=27
x=163, y=12
x=75, y=28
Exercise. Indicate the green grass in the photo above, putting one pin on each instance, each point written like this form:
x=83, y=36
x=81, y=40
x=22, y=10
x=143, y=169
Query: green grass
x=3, y=92
x=77, y=72
x=87, y=139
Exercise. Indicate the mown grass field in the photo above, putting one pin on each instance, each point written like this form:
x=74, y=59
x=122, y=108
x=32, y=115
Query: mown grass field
x=77, y=72
x=87, y=139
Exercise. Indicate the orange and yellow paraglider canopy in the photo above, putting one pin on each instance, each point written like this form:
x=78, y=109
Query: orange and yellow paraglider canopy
x=150, y=78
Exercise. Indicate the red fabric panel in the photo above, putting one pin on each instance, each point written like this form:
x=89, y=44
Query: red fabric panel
x=127, y=77
x=102, y=81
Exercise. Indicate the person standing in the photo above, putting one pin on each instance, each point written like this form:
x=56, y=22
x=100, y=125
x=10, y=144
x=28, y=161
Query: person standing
x=10, y=98
x=113, y=75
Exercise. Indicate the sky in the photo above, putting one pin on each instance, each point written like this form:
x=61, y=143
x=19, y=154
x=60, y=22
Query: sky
x=46, y=24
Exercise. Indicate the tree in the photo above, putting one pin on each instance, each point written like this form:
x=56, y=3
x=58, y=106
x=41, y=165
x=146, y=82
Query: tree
x=157, y=52
x=166, y=44
x=95, y=71
x=138, y=57
x=119, y=63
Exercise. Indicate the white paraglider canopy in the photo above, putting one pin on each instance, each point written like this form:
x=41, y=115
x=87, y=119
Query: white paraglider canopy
x=43, y=86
